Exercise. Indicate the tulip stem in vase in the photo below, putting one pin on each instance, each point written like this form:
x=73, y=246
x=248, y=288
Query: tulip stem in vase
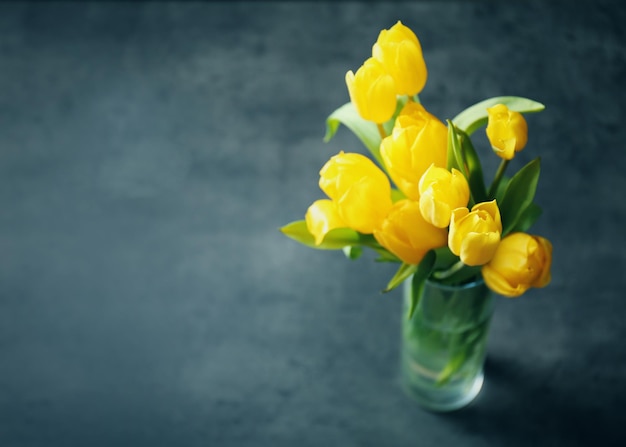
x=498, y=177
x=450, y=271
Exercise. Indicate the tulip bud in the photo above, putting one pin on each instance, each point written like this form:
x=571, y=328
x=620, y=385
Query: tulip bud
x=372, y=91
x=521, y=261
x=507, y=131
x=474, y=236
x=359, y=189
x=406, y=234
x=441, y=191
x=418, y=140
x=321, y=217
x=400, y=52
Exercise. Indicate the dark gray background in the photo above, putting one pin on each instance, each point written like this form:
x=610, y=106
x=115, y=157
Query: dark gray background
x=149, y=152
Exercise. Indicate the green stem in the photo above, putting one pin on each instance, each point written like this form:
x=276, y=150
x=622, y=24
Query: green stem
x=451, y=271
x=498, y=178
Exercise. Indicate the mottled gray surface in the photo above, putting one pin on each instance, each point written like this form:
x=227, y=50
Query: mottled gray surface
x=150, y=151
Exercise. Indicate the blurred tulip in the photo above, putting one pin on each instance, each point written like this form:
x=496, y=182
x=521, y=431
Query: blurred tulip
x=418, y=140
x=521, y=261
x=474, y=236
x=358, y=188
x=407, y=235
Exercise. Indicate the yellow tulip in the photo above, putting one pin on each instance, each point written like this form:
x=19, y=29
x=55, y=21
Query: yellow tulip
x=407, y=235
x=521, y=261
x=418, y=140
x=400, y=52
x=372, y=91
x=359, y=189
x=507, y=131
x=441, y=191
x=474, y=236
x=321, y=217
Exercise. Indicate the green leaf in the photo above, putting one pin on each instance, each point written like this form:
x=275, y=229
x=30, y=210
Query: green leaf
x=455, y=156
x=419, y=278
x=474, y=117
x=504, y=183
x=476, y=180
x=403, y=272
x=366, y=131
x=519, y=194
x=528, y=217
x=334, y=240
x=445, y=258
x=463, y=157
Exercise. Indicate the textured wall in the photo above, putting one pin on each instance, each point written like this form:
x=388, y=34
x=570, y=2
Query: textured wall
x=150, y=151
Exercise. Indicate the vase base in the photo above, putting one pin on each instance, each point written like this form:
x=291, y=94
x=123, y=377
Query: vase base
x=448, y=398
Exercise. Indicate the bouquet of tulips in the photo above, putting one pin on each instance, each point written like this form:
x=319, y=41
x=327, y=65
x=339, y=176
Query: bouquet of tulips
x=422, y=200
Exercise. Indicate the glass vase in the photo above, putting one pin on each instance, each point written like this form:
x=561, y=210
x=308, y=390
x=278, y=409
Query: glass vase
x=444, y=343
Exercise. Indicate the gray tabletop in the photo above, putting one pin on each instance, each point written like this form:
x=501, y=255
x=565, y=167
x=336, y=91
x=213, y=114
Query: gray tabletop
x=149, y=152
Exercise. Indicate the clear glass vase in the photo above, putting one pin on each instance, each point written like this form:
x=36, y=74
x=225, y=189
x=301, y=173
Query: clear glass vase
x=444, y=343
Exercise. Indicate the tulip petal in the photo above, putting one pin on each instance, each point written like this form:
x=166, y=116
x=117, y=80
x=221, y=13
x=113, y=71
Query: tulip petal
x=455, y=238
x=492, y=209
x=500, y=285
x=418, y=140
x=479, y=248
x=372, y=91
x=520, y=262
x=544, y=278
x=363, y=206
x=506, y=130
x=406, y=234
x=321, y=217
x=400, y=52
